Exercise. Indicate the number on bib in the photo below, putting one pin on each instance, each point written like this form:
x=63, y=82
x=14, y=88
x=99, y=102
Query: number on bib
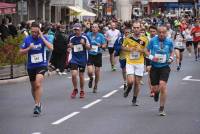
x=94, y=48
x=36, y=58
x=162, y=58
x=78, y=48
x=134, y=55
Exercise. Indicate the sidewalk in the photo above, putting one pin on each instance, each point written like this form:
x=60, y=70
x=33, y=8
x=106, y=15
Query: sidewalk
x=22, y=79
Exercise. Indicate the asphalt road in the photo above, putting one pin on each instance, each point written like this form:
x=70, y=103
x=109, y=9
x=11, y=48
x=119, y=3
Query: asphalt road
x=106, y=112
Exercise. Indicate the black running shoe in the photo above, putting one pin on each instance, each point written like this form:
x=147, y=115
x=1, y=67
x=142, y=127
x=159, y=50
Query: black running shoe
x=37, y=110
x=125, y=87
x=134, y=102
x=178, y=68
x=156, y=96
x=90, y=83
x=126, y=92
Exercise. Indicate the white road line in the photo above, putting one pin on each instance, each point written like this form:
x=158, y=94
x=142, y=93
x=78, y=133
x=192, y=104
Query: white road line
x=37, y=133
x=69, y=77
x=109, y=94
x=91, y=104
x=122, y=86
x=65, y=118
x=189, y=78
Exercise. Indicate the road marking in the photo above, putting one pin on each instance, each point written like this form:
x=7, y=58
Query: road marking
x=189, y=78
x=69, y=77
x=122, y=86
x=91, y=104
x=65, y=118
x=109, y=94
x=37, y=133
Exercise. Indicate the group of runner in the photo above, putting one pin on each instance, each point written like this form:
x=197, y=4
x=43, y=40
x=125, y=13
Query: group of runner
x=139, y=50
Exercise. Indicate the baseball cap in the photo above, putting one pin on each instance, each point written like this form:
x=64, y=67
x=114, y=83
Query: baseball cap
x=77, y=26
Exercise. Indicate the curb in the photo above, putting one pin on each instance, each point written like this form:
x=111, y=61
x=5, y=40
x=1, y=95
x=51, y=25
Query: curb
x=22, y=79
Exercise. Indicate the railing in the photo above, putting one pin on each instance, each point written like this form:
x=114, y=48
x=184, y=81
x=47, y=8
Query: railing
x=12, y=71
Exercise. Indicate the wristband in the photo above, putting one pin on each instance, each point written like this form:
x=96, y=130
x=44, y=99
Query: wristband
x=171, y=58
x=151, y=57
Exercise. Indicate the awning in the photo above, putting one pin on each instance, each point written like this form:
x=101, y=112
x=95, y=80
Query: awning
x=78, y=11
x=7, y=8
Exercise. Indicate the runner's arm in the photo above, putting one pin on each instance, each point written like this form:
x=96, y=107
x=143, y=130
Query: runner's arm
x=47, y=43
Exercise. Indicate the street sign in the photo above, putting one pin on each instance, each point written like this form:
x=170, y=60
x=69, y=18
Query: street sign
x=22, y=7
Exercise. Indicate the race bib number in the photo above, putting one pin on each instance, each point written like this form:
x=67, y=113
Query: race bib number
x=179, y=44
x=197, y=34
x=94, y=48
x=36, y=58
x=162, y=58
x=134, y=55
x=78, y=48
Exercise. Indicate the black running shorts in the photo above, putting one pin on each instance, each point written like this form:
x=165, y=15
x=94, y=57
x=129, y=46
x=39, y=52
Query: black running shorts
x=158, y=74
x=77, y=67
x=34, y=71
x=111, y=50
x=95, y=60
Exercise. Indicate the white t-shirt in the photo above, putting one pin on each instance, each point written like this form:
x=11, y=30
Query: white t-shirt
x=112, y=35
x=188, y=35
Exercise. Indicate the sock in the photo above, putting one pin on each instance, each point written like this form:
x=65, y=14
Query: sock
x=161, y=108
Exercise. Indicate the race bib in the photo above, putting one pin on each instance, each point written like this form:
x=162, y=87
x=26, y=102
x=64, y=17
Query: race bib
x=36, y=58
x=197, y=34
x=162, y=58
x=94, y=48
x=78, y=48
x=134, y=55
x=179, y=44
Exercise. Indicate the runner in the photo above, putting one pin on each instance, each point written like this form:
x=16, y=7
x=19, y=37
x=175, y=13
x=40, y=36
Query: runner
x=196, y=39
x=95, y=55
x=122, y=54
x=134, y=45
x=160, y=52
x=153, y=33
x=111, y=36
x=34, y=46
x=189, y=39
x=78, y=46
x=179, y=46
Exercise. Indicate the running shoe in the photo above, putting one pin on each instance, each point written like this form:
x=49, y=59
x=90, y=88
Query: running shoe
x=82, y=94
x=114, y=68
x=162, y=113
x=90, y=83
x=178, y=68
x=156, y=96
x=125, y=87
x=95, y=89
x=126, y=92
x=37, y=110
x=134, y=102
x=74, y=93
x=142, y=82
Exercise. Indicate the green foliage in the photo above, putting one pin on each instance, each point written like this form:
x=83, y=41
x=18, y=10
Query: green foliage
x=9, y=51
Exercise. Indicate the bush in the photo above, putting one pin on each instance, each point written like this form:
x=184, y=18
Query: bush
x=9, y=51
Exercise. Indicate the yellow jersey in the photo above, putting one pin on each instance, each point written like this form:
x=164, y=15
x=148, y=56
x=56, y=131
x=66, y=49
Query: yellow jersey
x=135, y=57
